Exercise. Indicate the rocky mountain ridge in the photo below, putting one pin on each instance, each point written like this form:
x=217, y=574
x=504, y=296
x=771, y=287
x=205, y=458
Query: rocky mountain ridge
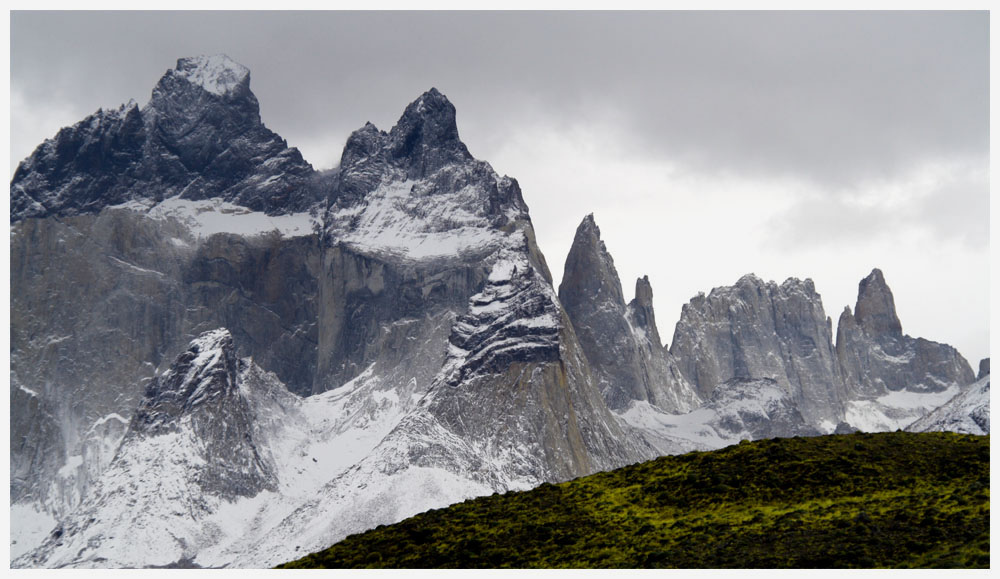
x=200, y=136
x=188, y=295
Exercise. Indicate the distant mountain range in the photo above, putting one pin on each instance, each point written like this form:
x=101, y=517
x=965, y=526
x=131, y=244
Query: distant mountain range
x=222, y=357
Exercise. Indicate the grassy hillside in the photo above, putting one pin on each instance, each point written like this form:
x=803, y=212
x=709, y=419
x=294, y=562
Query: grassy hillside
x=861, y=500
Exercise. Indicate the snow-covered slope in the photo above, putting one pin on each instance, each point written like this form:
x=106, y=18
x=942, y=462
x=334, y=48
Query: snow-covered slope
x=739, y=409
x=895, y=410
x=968, y=412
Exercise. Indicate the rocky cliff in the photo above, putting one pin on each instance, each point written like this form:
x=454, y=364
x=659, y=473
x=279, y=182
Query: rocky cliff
x=968, y=412
x=758, y=329
x=878, y=358
x=620, y=340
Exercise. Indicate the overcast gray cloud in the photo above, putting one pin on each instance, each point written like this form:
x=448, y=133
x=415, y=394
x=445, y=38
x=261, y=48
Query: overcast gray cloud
x=792, y=143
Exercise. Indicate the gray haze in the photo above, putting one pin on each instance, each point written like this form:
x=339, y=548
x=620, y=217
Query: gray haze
x=708, y=145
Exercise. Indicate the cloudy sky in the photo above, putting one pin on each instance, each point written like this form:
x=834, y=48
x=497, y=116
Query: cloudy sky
x=707, y=145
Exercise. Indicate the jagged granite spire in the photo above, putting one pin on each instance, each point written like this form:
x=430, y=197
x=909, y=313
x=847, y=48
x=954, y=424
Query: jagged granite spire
x=621, y=342
x=426, y=136
x=876, y=310
x=877, y=358
x=640, y=310
x=200, y=136
x=590, y=278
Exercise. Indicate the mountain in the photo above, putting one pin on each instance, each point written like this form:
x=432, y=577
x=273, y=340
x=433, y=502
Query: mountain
x=199, y=137
x=738, y=409
x=894, y=378
x=399, y=304
x=196, y=444
x=621, y=342
x=899, y=500
x=758, y=329
x=221, y=357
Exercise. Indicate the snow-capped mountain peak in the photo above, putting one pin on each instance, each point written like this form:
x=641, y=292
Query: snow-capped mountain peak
x=217, y=74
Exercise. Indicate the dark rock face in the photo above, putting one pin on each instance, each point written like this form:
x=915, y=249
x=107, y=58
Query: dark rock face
x=984, y=369
x=360, y=295
x=758, y=330
x=844, y=428
x=425, y=138
x=34, y=442
x=621, y=342
x=640, y=310
x=876, y=357
x=200, y=136
x=266, y=290
x=100, y=302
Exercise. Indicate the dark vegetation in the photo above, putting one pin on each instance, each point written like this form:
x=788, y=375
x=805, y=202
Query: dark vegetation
x=859, y=500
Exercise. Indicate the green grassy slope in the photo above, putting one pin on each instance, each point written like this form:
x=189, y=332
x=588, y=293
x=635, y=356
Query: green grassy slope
x=860, y=500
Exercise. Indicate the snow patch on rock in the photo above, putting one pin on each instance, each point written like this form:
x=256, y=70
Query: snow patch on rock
x=894, y=410
x=208, y=217
x=217, y=74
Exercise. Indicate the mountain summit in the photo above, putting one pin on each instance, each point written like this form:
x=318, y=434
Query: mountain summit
x=217, y=74
x=200, y=136
x=876, y=310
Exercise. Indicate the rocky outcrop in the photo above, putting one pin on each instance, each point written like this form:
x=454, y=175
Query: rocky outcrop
x=757, y=409
x=101, y=302
x=877, y=358
x=756, y=330
x=621, y=342
x=200, y=136
x=984, y=369
x=201, y=392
